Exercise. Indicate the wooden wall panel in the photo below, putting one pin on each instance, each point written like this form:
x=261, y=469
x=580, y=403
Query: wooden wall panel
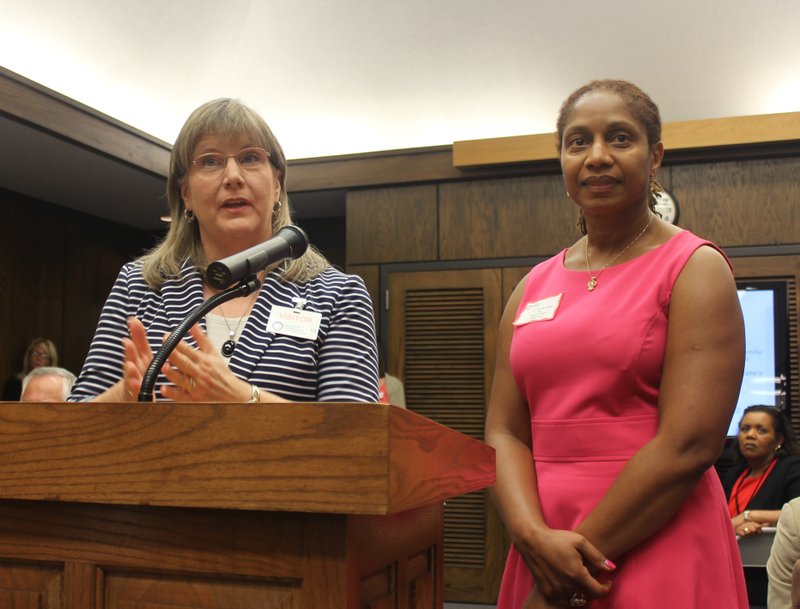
x=505, y=218
x=32, y=250
x=370, y=273
x=740, y=203
x=391, y=225
x=96, y=250
x=57, y=268
x=328, y=235
x=511, y=278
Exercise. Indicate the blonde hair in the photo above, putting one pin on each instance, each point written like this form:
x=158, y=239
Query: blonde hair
x=49, y=346
x=223, y=118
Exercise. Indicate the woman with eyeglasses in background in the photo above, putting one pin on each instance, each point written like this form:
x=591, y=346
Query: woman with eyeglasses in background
x=40, y=352
x=226, y=193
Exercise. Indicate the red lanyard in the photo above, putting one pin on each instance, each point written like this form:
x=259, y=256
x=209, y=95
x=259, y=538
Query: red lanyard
x=738, y=490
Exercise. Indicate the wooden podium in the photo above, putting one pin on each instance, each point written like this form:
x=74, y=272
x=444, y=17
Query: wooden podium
x=227, y=506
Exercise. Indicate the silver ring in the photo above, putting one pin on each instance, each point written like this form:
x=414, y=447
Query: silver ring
x=578, y=600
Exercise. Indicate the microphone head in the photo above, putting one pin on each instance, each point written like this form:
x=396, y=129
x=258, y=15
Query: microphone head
x=296, y=238
x=289, y=243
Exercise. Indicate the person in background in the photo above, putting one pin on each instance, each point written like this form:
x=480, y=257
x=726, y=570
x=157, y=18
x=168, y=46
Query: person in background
x=47, y=384
x=226, y=192
x=618, y=367
x=390, y=388
x=40, y=352
x=784, y=555
x=766, y=471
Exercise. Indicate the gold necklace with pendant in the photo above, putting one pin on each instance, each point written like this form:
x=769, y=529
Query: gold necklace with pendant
x=592, y=283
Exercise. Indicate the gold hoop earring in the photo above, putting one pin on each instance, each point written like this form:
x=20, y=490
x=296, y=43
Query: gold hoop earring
x=277, y=208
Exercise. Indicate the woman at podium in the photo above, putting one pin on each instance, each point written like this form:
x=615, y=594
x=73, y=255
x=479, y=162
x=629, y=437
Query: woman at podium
x=307, y=334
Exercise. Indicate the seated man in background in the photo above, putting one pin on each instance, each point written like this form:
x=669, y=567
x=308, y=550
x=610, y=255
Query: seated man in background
x=783, y=556
x=47, y=384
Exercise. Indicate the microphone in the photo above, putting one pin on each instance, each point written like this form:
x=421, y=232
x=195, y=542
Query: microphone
x=290, y=242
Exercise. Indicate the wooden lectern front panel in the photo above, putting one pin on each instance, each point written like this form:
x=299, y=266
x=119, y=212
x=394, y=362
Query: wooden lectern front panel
x=83, y=556
x=164, y=591
x=223, y=506
x=30, y=586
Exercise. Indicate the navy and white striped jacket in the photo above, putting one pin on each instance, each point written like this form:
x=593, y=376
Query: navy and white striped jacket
x=339, y=366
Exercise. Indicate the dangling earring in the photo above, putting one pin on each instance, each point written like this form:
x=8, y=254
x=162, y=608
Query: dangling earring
x=277, y=208
x=581, y=223
x=188, y=215
x=655, y=190
x=655, y=187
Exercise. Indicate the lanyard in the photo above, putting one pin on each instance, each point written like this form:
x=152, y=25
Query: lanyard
x=737, y=487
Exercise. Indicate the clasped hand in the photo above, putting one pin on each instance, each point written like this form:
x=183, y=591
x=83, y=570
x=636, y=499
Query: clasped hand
x=197, y=375
x=563, y=563
x=748, y=529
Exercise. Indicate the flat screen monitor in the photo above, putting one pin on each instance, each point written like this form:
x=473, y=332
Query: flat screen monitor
x=766, y=366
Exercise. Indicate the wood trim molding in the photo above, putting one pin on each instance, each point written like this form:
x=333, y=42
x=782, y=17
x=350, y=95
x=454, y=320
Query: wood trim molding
x=504, y=150
x=25, y=101
x=684, y=135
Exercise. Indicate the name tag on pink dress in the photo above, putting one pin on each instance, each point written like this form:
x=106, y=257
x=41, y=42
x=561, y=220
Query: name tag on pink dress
x=541, y=310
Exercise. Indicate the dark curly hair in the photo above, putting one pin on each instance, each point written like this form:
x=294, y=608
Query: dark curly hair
x=783, y=429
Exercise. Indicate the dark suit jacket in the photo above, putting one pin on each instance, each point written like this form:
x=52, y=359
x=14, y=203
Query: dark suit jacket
x=782, y=484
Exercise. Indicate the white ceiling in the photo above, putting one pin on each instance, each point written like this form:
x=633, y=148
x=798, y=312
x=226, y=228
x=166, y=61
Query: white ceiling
x=349, y=76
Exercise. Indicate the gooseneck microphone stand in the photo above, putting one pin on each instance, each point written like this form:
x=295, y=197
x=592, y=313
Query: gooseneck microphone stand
x=246, y=286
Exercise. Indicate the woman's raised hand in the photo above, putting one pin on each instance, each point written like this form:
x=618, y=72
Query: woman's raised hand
x=201, y=375
x=137, y=357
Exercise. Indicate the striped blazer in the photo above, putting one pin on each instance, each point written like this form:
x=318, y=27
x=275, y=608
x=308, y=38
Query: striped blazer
x=340, y=365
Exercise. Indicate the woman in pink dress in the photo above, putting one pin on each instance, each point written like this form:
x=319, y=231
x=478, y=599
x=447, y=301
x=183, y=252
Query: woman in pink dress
x=618, y=368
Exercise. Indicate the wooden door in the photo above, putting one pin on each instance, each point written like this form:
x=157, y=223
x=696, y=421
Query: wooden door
x=441, y=342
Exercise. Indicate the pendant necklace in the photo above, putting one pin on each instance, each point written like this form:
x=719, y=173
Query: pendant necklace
x=592, y=283
x=229, y=345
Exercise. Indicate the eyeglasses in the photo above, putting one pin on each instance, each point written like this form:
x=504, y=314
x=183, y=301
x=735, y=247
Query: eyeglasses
x=249, y=159
x=40, y=355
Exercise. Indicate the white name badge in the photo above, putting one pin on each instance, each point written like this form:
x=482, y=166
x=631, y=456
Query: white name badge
x=541, y=310
x=294, y=322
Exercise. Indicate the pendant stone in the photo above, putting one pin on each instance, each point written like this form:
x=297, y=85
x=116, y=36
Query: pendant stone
x=591, y=284
x=227, y=347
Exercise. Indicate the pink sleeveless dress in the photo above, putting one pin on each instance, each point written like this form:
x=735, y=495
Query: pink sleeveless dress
x=591, y=377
